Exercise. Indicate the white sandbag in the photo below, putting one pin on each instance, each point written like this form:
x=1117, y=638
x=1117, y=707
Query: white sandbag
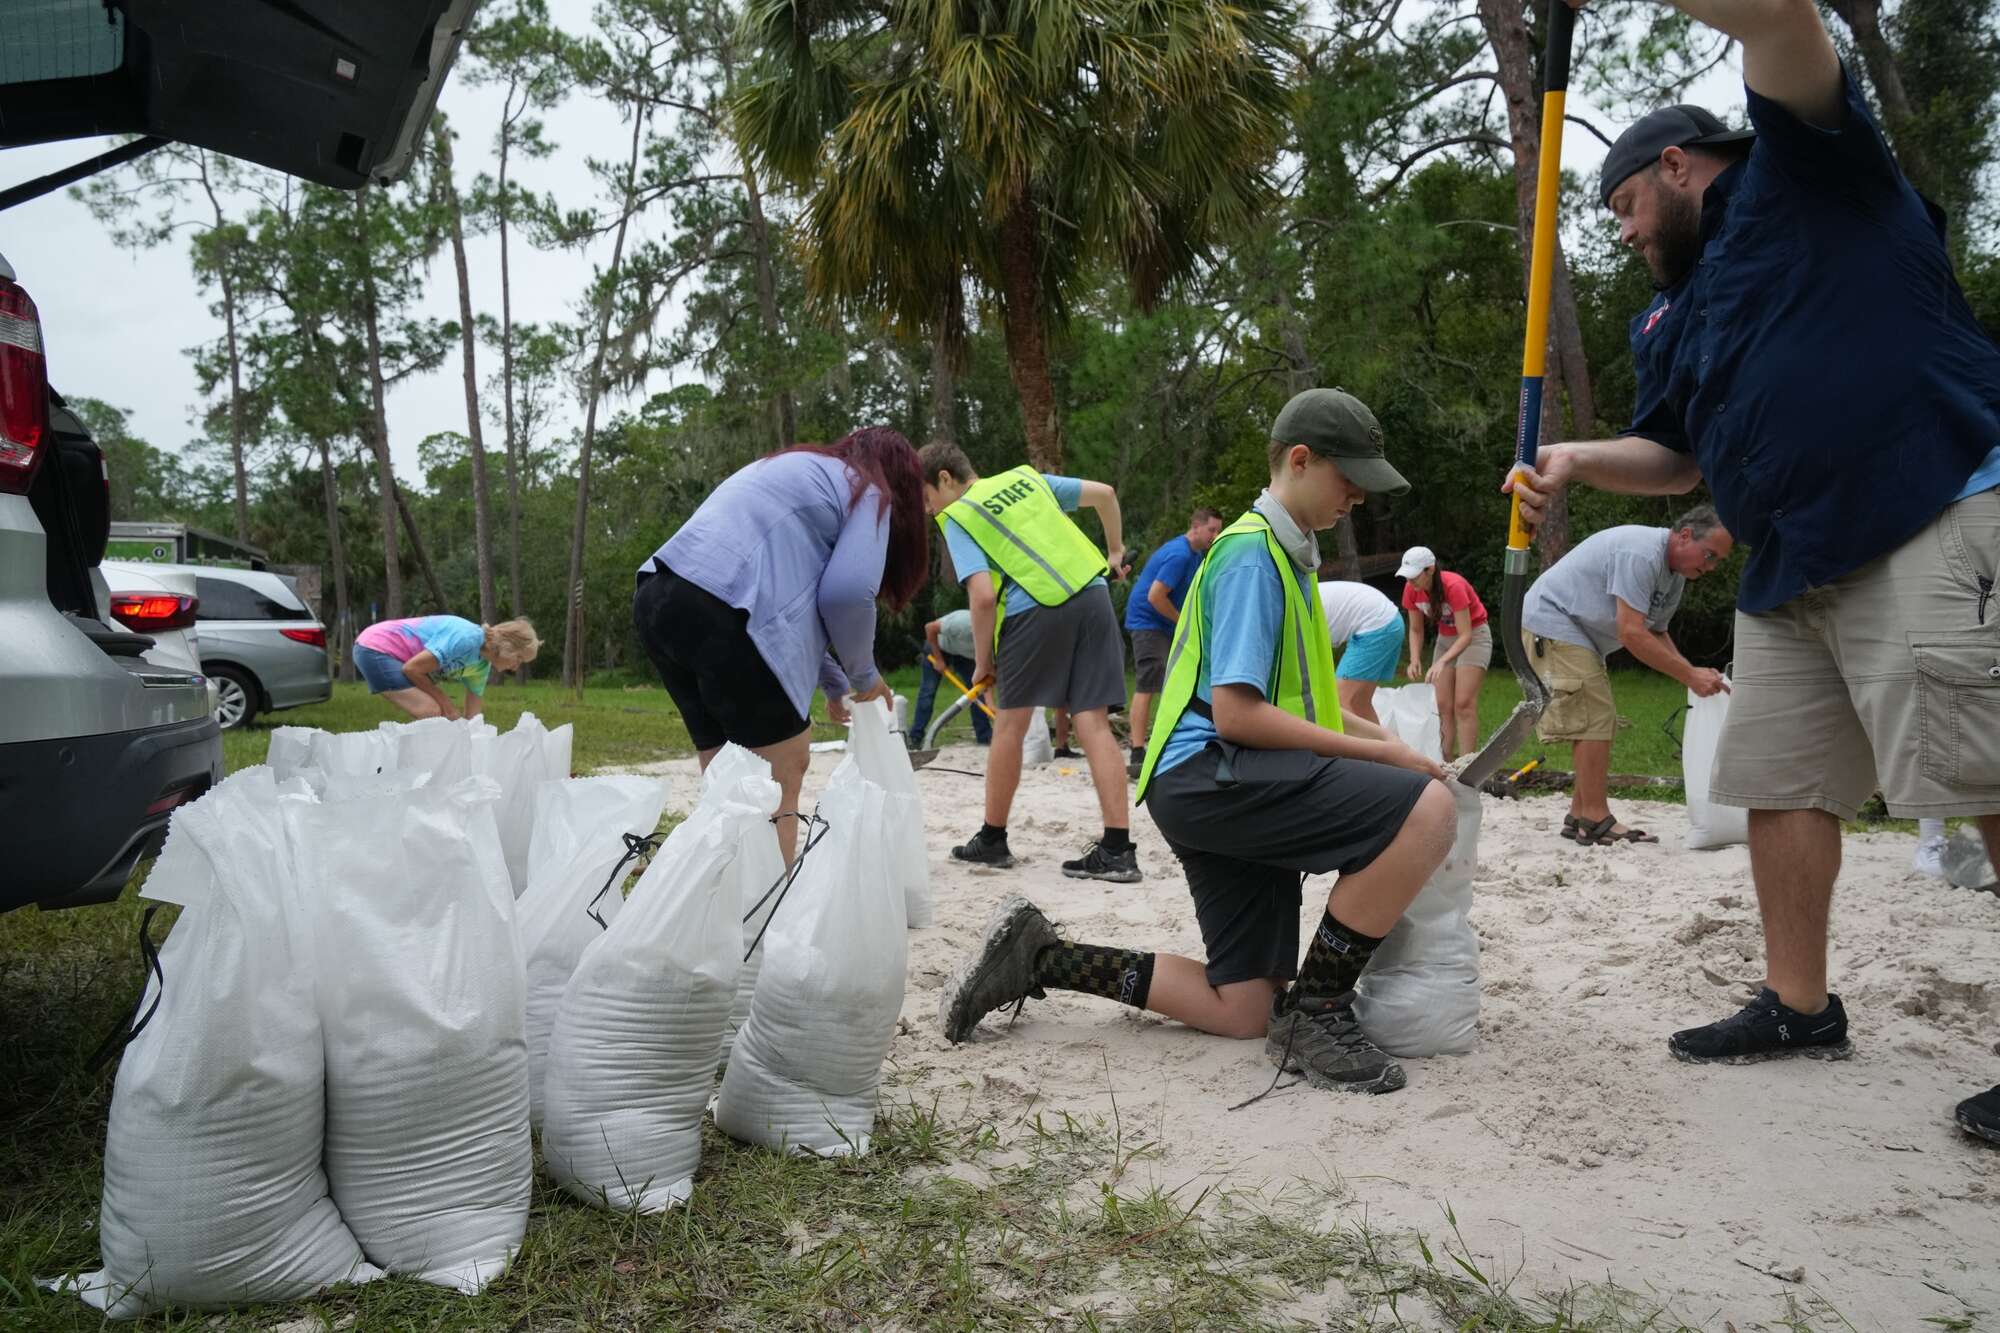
x=1410, y=713
x=290, y=751
x=578, y=842
x=805, y=1070
x=755, y=873
x=213, y=1190
x=352, y=753
x=438, y=746
x=1709, y=825
x=639, y=1032
x=885, y=761
x=420, y=997
x=1420, y=994
x=1036, y=747
x=520, y=761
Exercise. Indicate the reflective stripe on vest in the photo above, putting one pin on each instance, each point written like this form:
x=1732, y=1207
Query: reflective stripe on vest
x=1301, y=669
x=1026, y=536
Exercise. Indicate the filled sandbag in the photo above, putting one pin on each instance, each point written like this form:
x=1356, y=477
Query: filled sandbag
x=290, y=751
x=438, y=746
x=351, y=754
x=1036, y=747
x=1420, y=993
x=755, y=872
x=805, y=1069
x=1709, y=825
x=214, y=1194
x=578, y=844
x=639, y=1032
x=419, y=981
x=1410, y=713
x=885, y=761
x=521, y=760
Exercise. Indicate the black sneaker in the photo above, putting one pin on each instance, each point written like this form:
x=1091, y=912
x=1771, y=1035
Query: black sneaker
x=1064, y=752
x=1001, y=973
x=1764, y=1030
x=1320, y=1039
x=1135, y=765
x=1980, y=1116
x=984, y=851
x=1096, y=863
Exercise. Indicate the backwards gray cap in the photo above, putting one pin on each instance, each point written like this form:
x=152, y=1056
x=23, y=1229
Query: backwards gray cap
x=1670, y=127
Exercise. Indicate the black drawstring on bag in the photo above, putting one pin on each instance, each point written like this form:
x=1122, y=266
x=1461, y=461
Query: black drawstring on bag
x=816, y=828
x=123, y=1035
x=636, y=845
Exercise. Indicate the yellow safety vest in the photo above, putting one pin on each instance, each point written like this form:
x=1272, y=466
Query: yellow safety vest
x=1026, y=536
x=1301, y=680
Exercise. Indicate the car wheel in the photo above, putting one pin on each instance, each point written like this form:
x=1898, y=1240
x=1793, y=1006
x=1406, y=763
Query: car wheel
x=235, y=697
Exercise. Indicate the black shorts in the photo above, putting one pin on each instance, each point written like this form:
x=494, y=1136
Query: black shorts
x=1249, y=825
x=1149, y=659
x=701, y=647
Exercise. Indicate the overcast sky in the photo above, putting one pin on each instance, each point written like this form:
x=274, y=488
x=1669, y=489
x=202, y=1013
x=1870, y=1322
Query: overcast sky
x=117, y=324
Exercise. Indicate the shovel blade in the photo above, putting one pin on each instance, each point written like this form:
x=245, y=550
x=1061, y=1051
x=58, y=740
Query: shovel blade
x=1520, y=724
x=919, y=758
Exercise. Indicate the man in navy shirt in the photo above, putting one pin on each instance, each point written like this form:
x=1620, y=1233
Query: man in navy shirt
x=1810, y=356
x=1150, y=613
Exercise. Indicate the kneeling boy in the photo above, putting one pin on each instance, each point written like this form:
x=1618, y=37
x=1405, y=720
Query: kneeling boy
x=1256, y=782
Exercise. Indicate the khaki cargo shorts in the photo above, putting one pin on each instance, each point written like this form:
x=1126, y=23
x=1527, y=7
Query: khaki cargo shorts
x=1580, y=706
x=1889, y=676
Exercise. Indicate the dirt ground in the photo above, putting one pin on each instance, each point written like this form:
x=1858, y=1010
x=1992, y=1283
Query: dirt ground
x=1569, y=1146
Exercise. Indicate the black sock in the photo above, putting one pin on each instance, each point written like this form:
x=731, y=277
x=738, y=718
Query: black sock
x=1333, y=960
x=1115, y=839
x=1124, y=975
x=993, y=832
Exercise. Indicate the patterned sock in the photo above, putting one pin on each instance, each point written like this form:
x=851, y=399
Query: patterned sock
x=1333, y=960
x=1115, y=839
x=1124, y=975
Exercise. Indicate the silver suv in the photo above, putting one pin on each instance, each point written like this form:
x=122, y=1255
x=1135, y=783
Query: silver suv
x=98, y=745
x=261, y=643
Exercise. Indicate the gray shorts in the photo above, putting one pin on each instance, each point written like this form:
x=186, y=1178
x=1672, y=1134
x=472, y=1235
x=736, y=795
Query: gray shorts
x=1248, y=825
x=1069, y=656
x=1149, y=659
x=1888, y=676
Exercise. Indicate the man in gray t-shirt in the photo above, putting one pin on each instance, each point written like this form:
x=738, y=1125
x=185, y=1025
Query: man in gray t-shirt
x=1616, y=589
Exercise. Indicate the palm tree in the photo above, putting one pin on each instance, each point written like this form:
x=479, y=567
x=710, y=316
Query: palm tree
x=1021, y=145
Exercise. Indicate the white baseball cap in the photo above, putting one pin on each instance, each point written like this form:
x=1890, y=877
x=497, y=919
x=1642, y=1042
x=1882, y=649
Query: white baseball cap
x=1415, y=561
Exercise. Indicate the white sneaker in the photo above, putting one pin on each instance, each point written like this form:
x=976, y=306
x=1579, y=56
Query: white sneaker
x=1929, y=859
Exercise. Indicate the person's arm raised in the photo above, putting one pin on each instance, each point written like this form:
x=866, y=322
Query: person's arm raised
x=1787, y=55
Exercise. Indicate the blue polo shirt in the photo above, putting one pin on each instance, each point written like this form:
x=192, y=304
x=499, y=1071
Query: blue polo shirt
x=1173, y=564
x=1820, y=362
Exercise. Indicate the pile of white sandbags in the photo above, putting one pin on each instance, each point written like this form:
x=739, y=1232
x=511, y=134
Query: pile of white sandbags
x=1420, y=994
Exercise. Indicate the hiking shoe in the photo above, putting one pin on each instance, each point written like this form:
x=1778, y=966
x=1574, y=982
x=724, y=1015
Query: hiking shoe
x=984, y=851
x=1319, y=1038
x=1096, y=863
x=1001, y=973
x=1929, y=859
x=1765, y=1029
x=1980, y=1116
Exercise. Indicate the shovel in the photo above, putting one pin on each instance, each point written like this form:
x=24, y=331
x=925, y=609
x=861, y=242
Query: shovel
x=967, y=697
x=1528, y=434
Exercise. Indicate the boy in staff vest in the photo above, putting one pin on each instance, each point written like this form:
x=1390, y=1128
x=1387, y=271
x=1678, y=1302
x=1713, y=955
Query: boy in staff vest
x=1042, y=620
x=1260, y=780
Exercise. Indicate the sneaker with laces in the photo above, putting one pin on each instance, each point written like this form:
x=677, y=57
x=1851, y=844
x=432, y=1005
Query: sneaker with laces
x=1765, y=1029
x=1097, y=863
x=1980, y=1116
x=1001, y=972
x=1929, y=859
x=1064, y=752
x=984, y=851
x=1318, y=1037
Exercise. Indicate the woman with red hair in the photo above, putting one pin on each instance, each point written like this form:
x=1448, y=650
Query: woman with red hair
x=769, y=589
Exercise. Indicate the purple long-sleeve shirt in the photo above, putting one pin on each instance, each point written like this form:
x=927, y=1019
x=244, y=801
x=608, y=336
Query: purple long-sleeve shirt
x=781, y=540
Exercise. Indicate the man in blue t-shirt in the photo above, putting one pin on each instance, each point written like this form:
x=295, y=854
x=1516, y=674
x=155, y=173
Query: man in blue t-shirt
x=1150, y=613
x=1811, y=357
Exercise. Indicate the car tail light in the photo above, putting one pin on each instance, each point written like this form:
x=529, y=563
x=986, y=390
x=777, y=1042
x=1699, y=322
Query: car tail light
x=24, y=389
x=312, y=638
x=148, y=612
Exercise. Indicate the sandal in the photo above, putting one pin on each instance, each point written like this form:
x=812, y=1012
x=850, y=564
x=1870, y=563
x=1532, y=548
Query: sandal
x=1597, y=834
x=1571, y=827
x=1631, y=835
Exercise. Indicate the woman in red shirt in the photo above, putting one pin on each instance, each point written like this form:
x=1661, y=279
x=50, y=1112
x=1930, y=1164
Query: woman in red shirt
x=1464, y=650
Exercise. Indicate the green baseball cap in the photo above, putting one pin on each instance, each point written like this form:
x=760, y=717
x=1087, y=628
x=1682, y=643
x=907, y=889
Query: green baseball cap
x=1335, y=424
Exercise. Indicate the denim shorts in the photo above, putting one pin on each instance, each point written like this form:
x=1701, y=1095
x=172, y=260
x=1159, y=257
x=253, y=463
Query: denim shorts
x=381, y=671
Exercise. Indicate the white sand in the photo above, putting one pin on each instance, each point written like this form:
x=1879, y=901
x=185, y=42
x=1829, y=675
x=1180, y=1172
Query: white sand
x=1571, y=1147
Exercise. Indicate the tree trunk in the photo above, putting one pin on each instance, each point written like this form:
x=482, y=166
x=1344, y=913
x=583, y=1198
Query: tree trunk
x=514, y=461
x=1027, y=334
x=573, y=648
x=784, y=414
x=343, y=618
x=1347, y=560
x=378, y=426
x=482, y=514
x=417, y=549
x=947, y=356
x=225, y=272
x=1864, y=19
